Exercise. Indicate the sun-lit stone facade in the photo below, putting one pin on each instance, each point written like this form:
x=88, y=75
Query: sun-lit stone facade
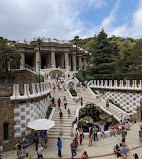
x=52, y=54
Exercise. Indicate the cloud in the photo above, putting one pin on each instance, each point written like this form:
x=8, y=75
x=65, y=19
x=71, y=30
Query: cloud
x=124, y=30
x=60, y=19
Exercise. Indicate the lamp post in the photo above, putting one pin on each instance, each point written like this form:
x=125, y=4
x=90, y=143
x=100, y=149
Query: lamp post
x=39, y=70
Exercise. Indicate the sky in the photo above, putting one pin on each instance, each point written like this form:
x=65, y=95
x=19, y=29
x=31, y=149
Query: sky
x=64, y=19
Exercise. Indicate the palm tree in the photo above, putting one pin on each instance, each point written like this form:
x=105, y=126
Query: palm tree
x=8, y=52
x=76, y=39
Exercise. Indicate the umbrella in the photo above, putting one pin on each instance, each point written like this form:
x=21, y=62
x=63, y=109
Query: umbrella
x=41, y=124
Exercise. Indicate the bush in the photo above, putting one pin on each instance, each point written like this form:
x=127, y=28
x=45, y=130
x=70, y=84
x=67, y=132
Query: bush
x=121, y=76
x=48, y=112
x=21, y=92
x=80, y=75
x=37, y=78
x=94, y=90
x=113, y=120
x=73, y=92
x=81, y=124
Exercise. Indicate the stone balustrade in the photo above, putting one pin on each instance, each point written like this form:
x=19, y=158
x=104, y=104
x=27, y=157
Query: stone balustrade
x=38, y=89
x=116, y=84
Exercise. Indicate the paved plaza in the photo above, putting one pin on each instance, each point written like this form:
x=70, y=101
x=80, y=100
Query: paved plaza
x=100, y=148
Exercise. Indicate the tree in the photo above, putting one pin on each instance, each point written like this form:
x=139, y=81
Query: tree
x=8, y=52
x=103, y=60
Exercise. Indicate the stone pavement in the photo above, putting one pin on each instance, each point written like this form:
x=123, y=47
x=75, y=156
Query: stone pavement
x=99, y=148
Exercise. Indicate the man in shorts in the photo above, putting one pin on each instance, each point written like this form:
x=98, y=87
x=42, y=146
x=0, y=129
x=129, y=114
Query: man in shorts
x=73, y=148
x=102, y=131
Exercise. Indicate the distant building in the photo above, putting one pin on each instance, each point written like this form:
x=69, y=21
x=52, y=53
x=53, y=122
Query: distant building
x=52, y=54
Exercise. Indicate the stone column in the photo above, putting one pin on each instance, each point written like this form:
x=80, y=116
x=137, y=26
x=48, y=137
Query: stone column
x=74, y=62
x=53, y=60
x=22, y=65
x=62, y=60
x=85, y=63
x=66, y=60
x=37, y=60
x=79, y=62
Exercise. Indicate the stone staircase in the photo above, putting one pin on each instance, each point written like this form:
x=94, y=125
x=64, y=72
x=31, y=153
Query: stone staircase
x=66, y=127
x=88, y=97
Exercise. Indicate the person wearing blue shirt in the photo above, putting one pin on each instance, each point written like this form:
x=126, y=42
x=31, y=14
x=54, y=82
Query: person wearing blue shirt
x=25, y=144
x=36, y=139
x=59, y=144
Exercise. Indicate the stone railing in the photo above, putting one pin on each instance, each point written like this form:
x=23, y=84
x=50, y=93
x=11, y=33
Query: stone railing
x=38, y=89
x=116, y=84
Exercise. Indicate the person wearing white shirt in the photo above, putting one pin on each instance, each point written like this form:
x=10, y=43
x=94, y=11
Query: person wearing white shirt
x=39, y=151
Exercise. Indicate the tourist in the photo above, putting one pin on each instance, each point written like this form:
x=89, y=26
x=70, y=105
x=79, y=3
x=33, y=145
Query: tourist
x=59, y=144
x=18, y=146
x=95, y=133
x=54, y=87
x=61, y=116
x=1, y=150
x=76, y=132
x=65, y=102
x=127, y=127
x=27, y=156
x=117, y=150
x=118, y=128
x=81, y=100
x=36, y=139
x=80, y=135
x=124, y=133
x=124, y=151
x=74, y=122
x=25, y=144
x=42, y=132
x=45, y=138
x=107, y=104
x=42, y=140
x=140, y=134
x=90, y=136
x=136, y=156
x=76, y=141
x=59, y=102
x=53, y=102
x=69, y=113
x=102, y=131
x=85, y=155
x=113, y=131
x=40, y=151
x=73, y=149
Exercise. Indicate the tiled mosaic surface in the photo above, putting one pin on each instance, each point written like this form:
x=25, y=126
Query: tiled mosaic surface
x=27, y=112
x=129, y=101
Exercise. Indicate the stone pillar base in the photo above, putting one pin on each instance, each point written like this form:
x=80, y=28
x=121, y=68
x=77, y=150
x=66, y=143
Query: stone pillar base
x=22, y=67
x=74, y=68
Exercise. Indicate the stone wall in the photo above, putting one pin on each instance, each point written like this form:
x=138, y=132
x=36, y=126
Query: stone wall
x=23, y=76
x=13, y=112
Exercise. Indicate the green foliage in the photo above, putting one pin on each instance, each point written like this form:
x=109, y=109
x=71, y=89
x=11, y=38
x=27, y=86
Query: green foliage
x=37, y=78
x=8, y=53
x=48, y=112
x=80, y=76
x=21, y=92
x=113, y=120
x=103, y=55
x=94, y=90
x=81, y=124
x=73, y=92
x=101, y=91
